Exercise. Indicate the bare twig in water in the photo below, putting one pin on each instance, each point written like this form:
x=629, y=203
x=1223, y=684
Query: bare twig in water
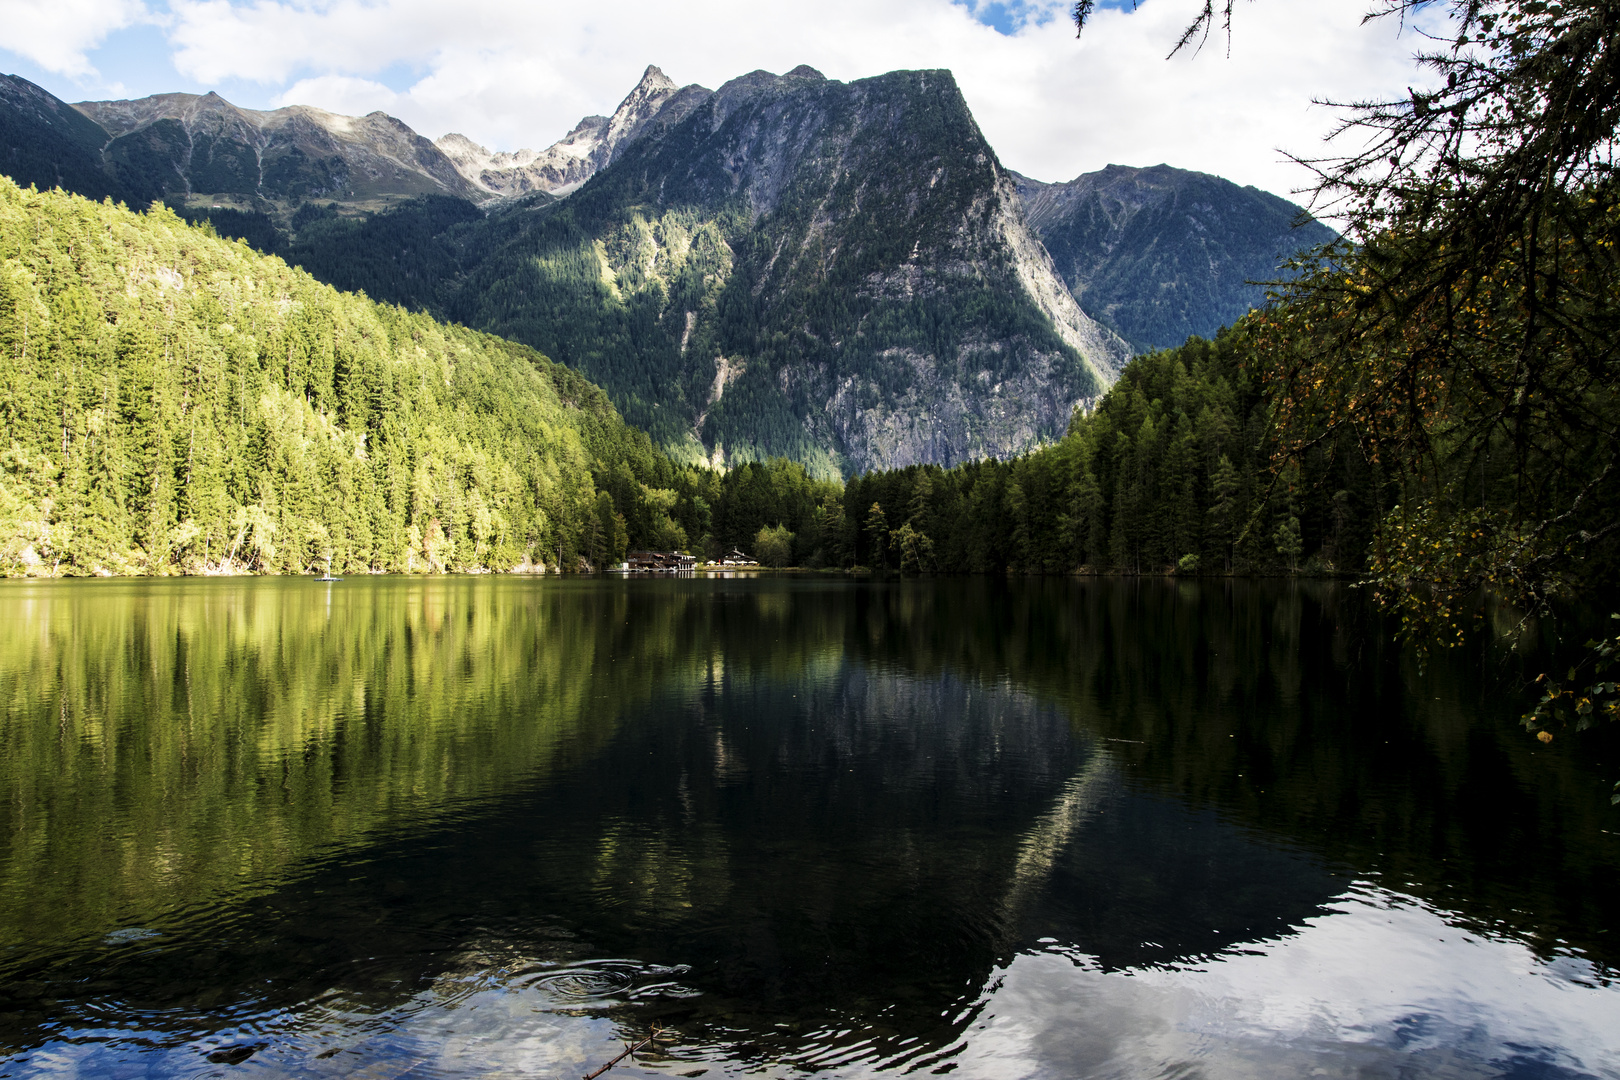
x=628, y=1051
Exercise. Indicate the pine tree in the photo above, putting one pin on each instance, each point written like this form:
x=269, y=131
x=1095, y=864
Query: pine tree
x=877, y=536
x=1224, y=512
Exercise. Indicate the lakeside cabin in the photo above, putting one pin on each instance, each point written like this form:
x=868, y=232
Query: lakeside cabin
x=735, y=557
x=654, y=562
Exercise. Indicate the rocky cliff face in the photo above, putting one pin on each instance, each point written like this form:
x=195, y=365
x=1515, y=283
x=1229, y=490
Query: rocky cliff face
x=1040, y=279
x=189, y=145
x=1160, y=253
x=579, y=155
x=837, y=272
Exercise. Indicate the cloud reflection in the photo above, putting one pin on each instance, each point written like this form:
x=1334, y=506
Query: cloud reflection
x=1379, y=983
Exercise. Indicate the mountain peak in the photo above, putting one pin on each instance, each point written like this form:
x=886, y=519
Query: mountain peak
x=456, y=140
x=805, y=71
x=852, y=218
x=653, y=89
x=638, y=110
x=654, y=79
x=576, y=157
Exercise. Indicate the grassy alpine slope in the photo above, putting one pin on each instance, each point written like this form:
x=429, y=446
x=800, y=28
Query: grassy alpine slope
x=175, y=402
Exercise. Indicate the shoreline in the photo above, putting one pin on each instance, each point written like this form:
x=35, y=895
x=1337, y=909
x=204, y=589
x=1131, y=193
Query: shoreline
x=779, y=571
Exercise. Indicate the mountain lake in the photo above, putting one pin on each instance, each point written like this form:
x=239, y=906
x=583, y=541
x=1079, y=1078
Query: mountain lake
x=500, y=826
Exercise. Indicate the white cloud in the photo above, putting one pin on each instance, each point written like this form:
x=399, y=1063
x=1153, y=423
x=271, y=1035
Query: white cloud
x=57, y=34
x=513, y=74
x=343, y=94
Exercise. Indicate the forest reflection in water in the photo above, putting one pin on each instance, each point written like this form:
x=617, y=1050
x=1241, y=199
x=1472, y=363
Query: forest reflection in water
x=486, y=826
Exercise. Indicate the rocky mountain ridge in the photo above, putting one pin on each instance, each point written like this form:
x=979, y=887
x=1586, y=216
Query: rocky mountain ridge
x=1160, y=253
x=837, y=272
x=204, y=148
x=191, y=144
x=576, y=157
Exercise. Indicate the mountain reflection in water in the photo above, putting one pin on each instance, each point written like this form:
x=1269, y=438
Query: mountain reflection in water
x=1053, y=828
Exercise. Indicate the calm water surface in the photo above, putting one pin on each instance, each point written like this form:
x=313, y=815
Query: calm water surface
x=491, y=827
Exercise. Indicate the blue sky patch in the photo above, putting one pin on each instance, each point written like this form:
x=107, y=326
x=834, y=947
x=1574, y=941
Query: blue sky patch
x=1009, y=16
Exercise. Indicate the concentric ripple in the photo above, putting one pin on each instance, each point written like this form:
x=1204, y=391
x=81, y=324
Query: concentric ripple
x=588, y=983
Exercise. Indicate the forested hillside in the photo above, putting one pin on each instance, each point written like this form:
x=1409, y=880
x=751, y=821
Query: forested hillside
x=1174, y=469
x=174, y=402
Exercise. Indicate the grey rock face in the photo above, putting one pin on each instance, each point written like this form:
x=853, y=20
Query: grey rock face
x=997, y=395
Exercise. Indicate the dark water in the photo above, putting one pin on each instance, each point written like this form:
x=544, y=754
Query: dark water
x=492, y=827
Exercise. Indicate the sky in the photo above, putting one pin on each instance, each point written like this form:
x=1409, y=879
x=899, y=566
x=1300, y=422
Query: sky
x=521, y=73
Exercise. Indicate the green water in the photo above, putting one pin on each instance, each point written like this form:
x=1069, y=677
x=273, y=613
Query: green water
x=490, y=826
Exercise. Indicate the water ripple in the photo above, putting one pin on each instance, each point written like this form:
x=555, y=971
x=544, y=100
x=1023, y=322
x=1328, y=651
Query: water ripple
x=601, y=982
